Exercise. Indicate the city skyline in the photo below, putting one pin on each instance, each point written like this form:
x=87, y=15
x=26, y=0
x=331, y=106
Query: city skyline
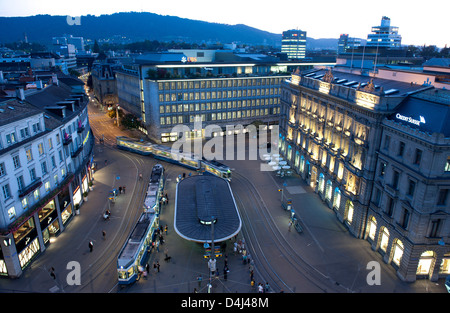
x=338, y=17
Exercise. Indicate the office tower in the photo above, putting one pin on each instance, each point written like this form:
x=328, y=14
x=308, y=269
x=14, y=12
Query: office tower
x=384, y=35
x=293, y=43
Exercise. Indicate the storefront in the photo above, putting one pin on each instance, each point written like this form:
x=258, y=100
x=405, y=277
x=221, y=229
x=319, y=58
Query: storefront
x=65, y=206
x=48, y=219
x=27, y=243
x=3, y=270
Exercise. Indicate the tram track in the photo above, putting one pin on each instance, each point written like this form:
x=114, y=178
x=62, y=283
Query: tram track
x=274, y=237
x=104, y=261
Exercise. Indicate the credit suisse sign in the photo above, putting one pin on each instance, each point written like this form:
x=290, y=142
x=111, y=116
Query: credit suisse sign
x=411, y=120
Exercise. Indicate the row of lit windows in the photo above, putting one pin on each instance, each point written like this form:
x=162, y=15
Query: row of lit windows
x=231, y=115
x=217, y=105
x=202, y=84
x=185, y=96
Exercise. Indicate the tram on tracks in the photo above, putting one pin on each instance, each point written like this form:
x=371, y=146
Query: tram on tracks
x=133, y=255
x=165, y=153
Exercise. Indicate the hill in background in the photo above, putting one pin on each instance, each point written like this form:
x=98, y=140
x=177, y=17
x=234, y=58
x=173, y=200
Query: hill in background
x=141, y=26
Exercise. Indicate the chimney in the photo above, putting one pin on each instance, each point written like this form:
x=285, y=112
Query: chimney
x=20, y=94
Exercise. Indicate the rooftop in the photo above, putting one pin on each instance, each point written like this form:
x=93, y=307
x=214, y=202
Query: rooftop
x=204, y=200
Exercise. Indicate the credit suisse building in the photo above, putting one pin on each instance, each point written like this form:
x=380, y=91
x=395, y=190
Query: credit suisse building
x=377, y=152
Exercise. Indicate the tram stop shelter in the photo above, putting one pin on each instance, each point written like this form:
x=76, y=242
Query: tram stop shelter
x=205, y=210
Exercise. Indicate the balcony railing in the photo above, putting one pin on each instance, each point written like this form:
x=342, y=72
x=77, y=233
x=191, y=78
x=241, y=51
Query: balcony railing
x=67, y=139
x=31, y=187
x=75, y=153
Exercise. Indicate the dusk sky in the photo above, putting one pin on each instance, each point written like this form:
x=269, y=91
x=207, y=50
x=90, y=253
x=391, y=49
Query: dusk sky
x=419, y=22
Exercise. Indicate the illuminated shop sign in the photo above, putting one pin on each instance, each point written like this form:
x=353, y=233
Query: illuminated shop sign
x=409, y=119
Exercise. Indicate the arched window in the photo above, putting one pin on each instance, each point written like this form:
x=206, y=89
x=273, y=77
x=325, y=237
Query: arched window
x=426, y=263
x=384, y=239
x=398, y=251
x=372, y=227
x=297, y=159
x=337, y=198
x=349, y=211
x=302, y=164
x=329, y=190
x=445, y=265
x=321, y=182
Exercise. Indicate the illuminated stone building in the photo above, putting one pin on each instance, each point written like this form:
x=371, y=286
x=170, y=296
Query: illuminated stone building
x=333, y=128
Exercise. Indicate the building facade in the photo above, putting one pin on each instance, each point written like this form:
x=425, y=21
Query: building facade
x=293, y=42
x=166, y=90
x=384, y=35
x=46, y=148
x=104, y=84
x=332, y=126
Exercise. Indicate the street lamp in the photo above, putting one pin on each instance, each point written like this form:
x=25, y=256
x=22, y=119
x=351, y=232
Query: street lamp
x=117, y=115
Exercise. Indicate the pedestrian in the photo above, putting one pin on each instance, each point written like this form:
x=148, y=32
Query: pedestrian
x=267, y=287
x=199, y=279
x=104, y=234
x=251, y=275
x=157, y=246
x=52, y=273
x=106, y=162
x=155, y=269
x=252, y=283
x=165, y=229
x=260, y=288
x=145, y=274
x=123, y=189
x=140, y=176
x=157, y=265
x=167, y=197
x=225, y=272
x=290, y=224
x=235, y=249
x=147, y=268
x=184, y=175
x=91, y=246
x=161, y=239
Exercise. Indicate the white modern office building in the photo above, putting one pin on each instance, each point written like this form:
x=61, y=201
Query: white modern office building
x=384, y=35
x=221, y=88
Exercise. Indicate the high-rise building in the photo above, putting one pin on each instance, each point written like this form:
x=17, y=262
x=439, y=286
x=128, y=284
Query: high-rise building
x=384, y=35
x=347, y=43
x=293, y=43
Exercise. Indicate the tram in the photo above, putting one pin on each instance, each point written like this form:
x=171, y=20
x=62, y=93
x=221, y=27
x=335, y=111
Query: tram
x=133, y=255
x=165, y=153
x=154, y=190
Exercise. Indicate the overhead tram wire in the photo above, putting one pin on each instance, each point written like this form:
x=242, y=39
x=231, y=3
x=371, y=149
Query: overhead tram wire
x=298, y=263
